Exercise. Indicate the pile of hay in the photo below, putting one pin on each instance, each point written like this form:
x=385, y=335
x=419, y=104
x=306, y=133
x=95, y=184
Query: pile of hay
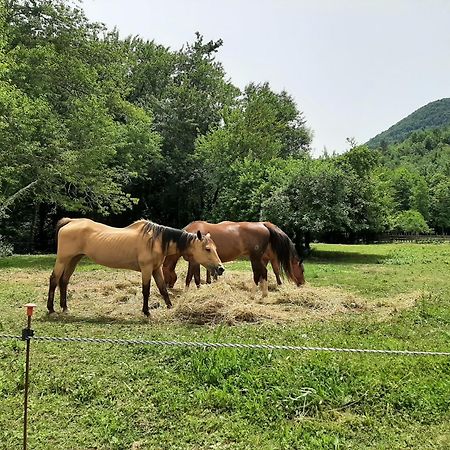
x=231, y=300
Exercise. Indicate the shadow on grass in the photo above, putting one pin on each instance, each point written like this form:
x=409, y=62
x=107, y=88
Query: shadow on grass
x=46, y=262
x=332, y=257
x=38, y=262
x=96, y=320
x=42, y=262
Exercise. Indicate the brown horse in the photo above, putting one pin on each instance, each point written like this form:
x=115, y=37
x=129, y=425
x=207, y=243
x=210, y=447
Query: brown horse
x=267, y=257
x=260, y=242
x=142, y=246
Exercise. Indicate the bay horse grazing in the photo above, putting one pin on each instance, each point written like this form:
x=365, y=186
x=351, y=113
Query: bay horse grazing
x=141, y=246
x=260, y=242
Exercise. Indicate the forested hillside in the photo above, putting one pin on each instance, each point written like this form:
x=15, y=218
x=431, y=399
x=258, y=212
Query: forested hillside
x=434, y=115
x=118, y=129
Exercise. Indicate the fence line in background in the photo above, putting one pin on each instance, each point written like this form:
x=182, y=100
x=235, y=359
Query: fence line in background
x=424, y=238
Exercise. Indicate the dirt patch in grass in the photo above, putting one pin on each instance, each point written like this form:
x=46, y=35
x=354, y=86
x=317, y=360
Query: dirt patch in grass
x=116, y=296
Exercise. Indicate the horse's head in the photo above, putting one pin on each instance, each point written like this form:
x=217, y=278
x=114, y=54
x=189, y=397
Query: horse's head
x=170, y=275
x=203, y=251
x=298, y=271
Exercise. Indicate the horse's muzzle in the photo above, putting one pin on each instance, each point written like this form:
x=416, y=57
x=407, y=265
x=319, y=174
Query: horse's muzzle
x=220, y=270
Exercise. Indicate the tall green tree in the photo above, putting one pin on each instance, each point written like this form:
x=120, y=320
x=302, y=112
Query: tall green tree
x=440, y=203
x=261, y=129
x=186, y=91
x=314, y=200
x=70, y=139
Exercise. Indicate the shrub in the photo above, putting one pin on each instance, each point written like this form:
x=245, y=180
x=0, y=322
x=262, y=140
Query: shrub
x=410, y=221
x=6, y=249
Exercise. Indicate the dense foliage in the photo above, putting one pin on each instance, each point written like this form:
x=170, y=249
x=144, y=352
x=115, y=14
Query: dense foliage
x=118, y=129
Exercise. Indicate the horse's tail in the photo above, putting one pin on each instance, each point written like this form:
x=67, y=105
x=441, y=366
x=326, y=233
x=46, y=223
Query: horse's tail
x=59, y=225
x=283, y=248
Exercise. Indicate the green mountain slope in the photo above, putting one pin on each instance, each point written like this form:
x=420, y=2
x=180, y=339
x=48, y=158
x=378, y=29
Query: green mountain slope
x=433, y=115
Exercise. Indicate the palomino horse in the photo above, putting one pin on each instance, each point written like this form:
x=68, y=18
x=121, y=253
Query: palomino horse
x=260, y=242
x=142, y=246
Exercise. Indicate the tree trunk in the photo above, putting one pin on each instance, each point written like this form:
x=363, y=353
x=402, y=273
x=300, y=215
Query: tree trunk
x=42, y=241
x=34, y=222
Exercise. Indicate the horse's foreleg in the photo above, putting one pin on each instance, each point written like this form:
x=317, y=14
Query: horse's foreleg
x=159, y=280
x=189, y=275
x=64, y=281
x=146, y=281
x=53, y=282
x=260, y=275
x=193, y=271
x=51, y=292
x=196, y=270
x=208, y=276
x=264, y=283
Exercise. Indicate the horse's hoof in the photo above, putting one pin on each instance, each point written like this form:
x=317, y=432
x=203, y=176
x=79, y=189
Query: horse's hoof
x=50, y=311
x=65, y=311
x=169, y=306
x=147, y=313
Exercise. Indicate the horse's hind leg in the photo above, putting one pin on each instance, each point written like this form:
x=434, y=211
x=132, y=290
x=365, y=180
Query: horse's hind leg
x=64, y=280
x=146, y=281
x=54, y=280
x=160, y=282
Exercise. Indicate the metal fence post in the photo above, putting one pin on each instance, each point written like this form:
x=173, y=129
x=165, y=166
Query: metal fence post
x=27, y=333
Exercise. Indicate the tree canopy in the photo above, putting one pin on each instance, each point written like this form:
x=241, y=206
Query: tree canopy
x=118, y=129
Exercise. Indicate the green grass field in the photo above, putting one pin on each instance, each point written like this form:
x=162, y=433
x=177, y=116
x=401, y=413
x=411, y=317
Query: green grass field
x=102, y=396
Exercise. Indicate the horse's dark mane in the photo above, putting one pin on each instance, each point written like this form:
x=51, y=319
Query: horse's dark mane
x=283, y=247
x=167, y=234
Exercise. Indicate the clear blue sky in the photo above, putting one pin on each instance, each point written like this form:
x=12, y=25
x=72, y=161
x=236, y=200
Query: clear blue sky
x=354, y=67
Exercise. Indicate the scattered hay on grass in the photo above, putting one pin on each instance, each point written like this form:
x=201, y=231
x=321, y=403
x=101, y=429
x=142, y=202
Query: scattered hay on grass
x=116, y=295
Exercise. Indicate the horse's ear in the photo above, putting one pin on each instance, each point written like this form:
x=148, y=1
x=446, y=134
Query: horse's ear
x=199, y=235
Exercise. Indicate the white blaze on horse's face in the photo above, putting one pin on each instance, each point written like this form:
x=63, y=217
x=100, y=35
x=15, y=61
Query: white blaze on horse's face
x=204, y=252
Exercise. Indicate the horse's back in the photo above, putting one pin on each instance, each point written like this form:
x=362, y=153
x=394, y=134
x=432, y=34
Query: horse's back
x=82, y=229
x=109, y=246
x=234, y=240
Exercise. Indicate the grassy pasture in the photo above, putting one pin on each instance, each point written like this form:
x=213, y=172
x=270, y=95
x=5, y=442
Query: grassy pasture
x=132, y=397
